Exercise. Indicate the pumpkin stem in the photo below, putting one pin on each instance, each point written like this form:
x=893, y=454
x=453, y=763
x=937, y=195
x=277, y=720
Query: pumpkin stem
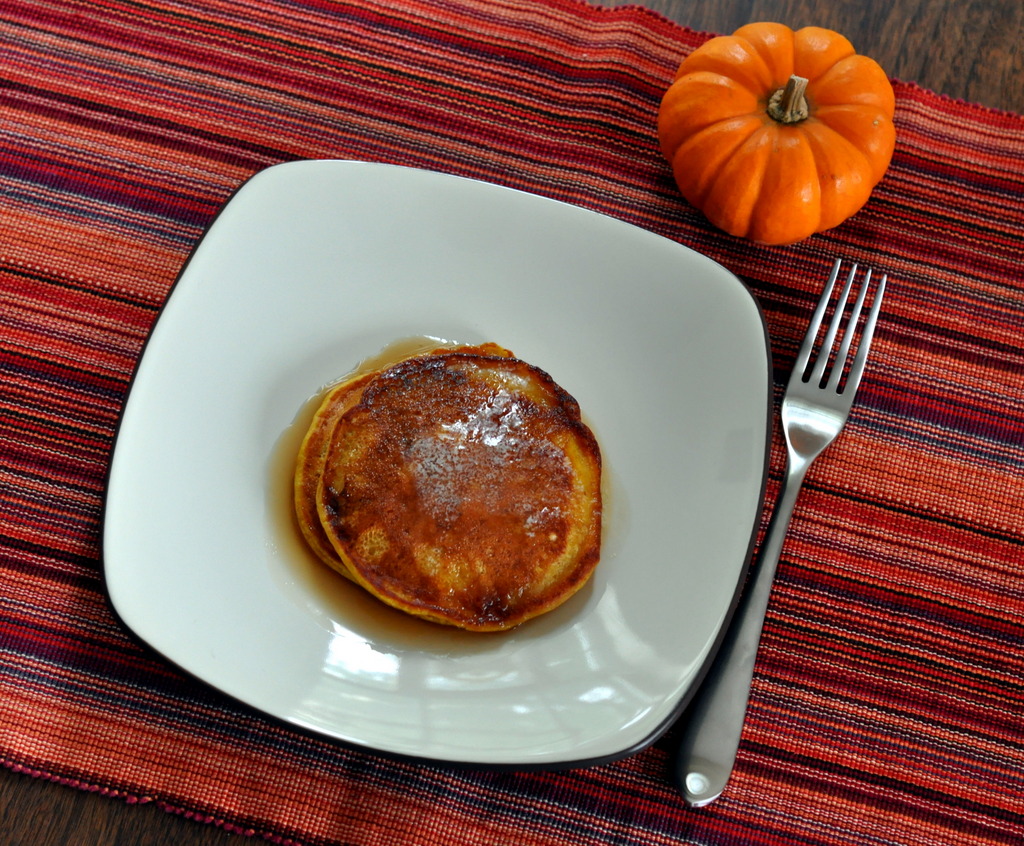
x=789, y=105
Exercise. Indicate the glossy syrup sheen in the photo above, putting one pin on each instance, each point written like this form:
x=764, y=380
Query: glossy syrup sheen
x=331, y=599
x=308, y=580
x=464, y=487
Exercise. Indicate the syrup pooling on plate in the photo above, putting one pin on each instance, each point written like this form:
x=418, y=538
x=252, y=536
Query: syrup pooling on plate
x=460, y=486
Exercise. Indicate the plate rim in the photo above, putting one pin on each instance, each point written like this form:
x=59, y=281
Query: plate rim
x=313, y=732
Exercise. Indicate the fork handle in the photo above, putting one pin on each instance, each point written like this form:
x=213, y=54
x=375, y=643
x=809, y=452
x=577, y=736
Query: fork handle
x=711, y=736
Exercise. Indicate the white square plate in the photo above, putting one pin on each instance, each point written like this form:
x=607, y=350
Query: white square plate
x=314, y=266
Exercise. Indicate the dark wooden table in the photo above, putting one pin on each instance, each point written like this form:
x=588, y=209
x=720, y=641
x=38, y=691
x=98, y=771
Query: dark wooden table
x=969, y=49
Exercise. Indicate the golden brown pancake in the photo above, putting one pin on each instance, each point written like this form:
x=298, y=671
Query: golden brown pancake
x=309, y=464
x=460, y=486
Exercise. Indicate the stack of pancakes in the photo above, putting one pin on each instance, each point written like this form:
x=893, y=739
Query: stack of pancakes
x=458, y=485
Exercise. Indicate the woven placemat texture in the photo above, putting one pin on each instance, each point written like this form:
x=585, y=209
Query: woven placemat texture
x=888, y=700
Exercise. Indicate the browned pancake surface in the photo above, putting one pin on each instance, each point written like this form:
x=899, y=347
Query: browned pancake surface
x=310, y=463
x=335, y=402
x=464, y=488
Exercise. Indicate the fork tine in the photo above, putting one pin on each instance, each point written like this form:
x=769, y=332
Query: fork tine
x=861, y=357
x=803, y=355
x=824, y=354
x=849, y=331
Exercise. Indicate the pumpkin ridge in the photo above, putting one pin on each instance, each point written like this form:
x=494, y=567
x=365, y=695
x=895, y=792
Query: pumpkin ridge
x=845, y=175
x=731, y=57
x=745, y=166
x=704, y=98
x=817, y=50
x=712, y=144
x=788, y=207
x=873, y=138
x=774, y=44
x=854, y=80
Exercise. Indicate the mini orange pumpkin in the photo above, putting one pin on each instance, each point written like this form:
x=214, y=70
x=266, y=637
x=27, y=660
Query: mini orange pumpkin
x=776, y=134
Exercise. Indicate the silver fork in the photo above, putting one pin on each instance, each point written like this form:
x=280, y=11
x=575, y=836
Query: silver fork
x=815, y=408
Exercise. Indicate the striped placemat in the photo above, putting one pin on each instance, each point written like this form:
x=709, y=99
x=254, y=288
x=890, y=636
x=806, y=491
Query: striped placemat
x=888, y=701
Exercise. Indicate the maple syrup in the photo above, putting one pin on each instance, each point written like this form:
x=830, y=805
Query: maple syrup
x=332, y=600
x=337, y=603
